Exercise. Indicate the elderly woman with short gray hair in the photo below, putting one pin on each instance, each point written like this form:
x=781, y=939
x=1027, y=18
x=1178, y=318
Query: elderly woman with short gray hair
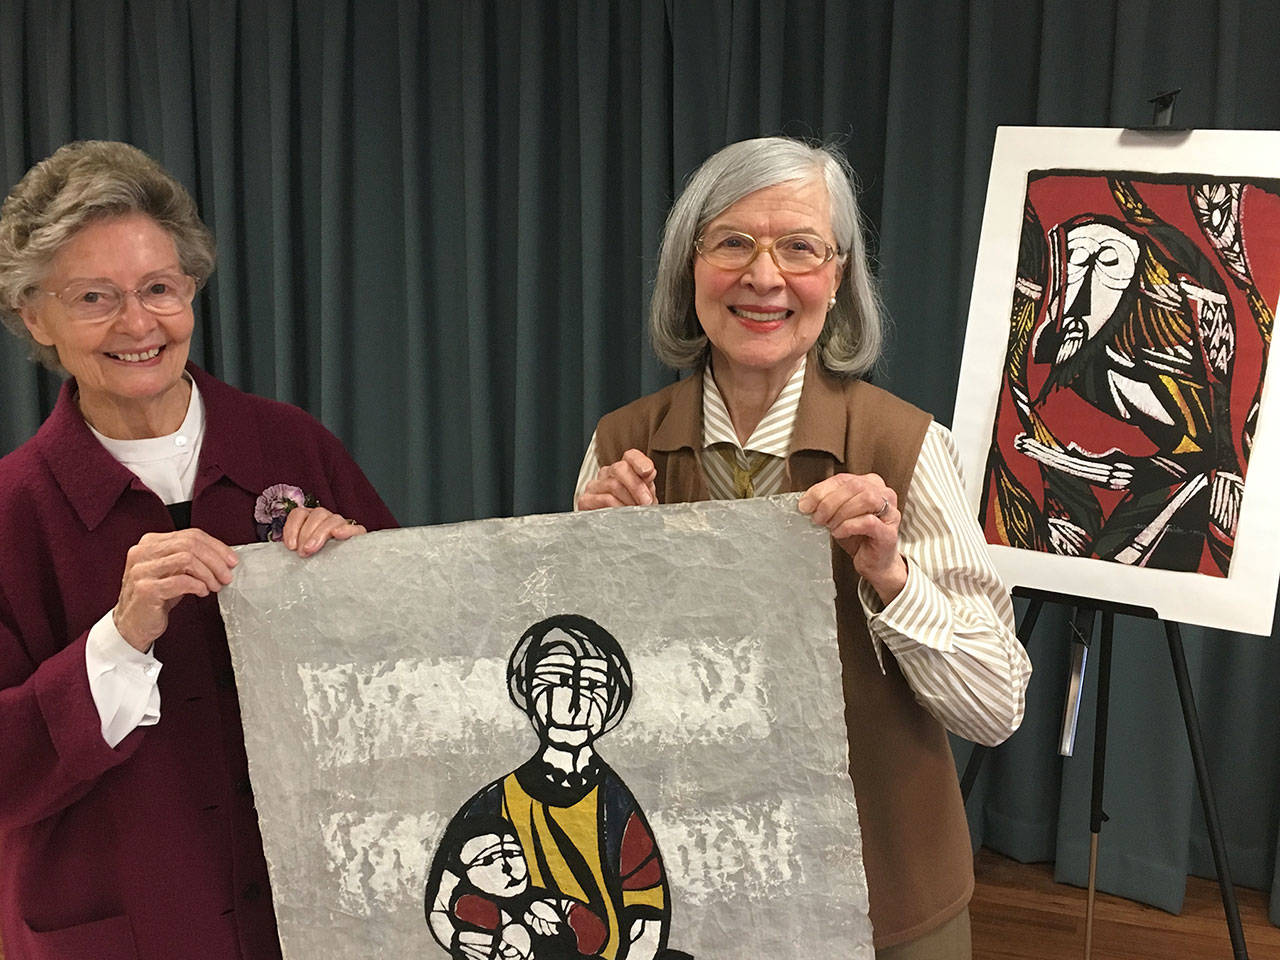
x=764, y=292
x=127, y=826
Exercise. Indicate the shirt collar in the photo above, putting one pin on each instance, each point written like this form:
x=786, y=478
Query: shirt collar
x=772, y=434
x=92, y=480
x=182, y=442
x=233, y=444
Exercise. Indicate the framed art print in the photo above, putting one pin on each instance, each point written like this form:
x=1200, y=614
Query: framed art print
x=1113, y=412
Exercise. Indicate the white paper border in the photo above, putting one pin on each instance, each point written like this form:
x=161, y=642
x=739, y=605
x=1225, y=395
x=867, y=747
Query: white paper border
x=1244, y=601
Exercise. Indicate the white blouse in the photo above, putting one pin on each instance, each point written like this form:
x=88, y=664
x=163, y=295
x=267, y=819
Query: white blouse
x=124, y=681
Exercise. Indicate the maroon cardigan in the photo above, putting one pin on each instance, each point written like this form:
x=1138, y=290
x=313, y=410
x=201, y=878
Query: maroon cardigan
x=150, y=850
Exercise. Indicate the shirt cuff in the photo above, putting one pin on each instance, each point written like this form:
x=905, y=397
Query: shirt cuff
x=920, y=615
x=123, y=681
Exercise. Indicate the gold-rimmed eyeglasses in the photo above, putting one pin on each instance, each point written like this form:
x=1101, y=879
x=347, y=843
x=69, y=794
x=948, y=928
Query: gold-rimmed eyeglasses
x=95, y=301
x=734, y=250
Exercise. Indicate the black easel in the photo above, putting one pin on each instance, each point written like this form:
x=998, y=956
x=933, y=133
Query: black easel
x=1082, y=628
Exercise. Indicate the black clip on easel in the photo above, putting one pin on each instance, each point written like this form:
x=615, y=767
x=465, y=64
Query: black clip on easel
x=1162, y=108
x=1082, y=621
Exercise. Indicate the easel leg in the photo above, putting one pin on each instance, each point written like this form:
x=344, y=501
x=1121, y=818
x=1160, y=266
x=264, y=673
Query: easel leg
x=1096, y=816
x=976, y=755
x=1216, y=841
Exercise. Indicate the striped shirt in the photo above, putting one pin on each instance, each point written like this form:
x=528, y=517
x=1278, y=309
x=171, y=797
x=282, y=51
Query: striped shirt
x=770, y=440
x=951, y=628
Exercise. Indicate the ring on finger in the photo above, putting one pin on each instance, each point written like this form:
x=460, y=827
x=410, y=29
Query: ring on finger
x=884, y=507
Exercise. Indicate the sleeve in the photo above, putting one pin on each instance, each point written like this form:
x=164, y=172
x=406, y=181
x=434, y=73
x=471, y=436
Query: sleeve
x=353, y=495
x=53, y=742
x=589, y=931
x=587, y=472
x=951, y=628
x=478, y=911
x=124, y=682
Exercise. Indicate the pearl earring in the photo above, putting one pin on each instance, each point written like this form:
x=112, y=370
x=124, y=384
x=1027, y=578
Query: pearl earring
x=831, y=303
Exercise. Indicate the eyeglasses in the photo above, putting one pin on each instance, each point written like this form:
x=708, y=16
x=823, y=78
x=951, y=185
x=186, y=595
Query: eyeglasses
x=794, y=253
x=92, y=301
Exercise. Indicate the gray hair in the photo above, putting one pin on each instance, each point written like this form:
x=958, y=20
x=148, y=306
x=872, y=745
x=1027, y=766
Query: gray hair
x=850, y=342
x=82, y=183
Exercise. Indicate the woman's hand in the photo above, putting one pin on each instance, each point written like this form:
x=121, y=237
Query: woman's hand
x=307, y=529
x=161, y=569
x=862, y=515
x=627, y=483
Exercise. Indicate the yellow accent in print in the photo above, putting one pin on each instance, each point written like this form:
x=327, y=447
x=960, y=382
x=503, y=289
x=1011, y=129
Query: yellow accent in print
x=649, y=897
x=580, y=822
x=1187, y=445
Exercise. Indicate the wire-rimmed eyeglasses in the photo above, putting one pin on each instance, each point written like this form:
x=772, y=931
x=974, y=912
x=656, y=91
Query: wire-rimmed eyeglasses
x=734, y=250
x=95, y=301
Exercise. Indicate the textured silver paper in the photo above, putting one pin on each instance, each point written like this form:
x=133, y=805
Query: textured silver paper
x=372, y=681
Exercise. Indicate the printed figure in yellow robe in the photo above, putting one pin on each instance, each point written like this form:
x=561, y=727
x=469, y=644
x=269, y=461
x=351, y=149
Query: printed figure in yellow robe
x=555, y=860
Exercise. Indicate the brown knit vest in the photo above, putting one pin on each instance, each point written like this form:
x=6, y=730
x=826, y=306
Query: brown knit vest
x=915, y=838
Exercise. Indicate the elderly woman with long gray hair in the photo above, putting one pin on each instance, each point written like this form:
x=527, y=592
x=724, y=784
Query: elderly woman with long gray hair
x=127, y=825
x=764, y=292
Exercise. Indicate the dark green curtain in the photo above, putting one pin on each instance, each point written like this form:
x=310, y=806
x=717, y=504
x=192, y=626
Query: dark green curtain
x=437, y=223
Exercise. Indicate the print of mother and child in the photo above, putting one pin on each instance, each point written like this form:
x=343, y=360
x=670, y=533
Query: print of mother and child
x=555, y=861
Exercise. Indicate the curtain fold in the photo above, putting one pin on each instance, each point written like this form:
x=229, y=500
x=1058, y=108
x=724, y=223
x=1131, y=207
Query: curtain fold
x=438, y=222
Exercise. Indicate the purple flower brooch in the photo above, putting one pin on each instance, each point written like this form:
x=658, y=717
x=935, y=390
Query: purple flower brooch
x=273, y=505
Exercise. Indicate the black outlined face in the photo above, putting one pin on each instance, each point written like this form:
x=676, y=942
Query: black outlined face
x=569, y=692
x=572, y=680
x=495, y=864
x=1100, y=265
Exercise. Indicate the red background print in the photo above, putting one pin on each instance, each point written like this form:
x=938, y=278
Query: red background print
x=1059, y=196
